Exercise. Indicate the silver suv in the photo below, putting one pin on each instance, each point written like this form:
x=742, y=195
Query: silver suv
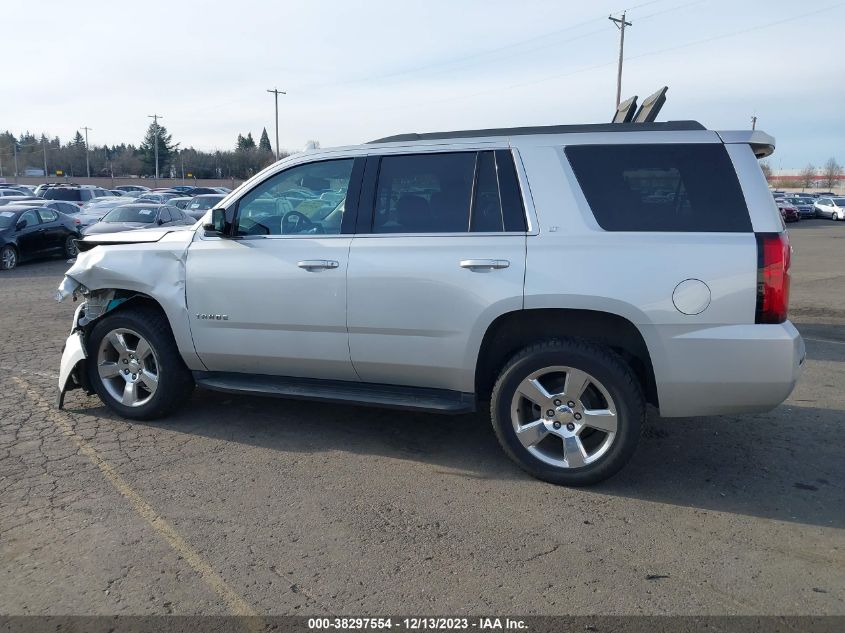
x=565, y=275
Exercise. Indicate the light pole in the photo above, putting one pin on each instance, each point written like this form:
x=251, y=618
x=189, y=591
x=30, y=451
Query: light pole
x=276, y=93
x=155, y=118
x=87, y=164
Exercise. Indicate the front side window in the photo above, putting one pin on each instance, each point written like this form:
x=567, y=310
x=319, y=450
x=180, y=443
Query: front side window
x=303, y=200
x=661, y=187
x=29, y=218
x=455, y=192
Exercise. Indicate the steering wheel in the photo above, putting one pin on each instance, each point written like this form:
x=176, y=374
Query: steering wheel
x=296, y=222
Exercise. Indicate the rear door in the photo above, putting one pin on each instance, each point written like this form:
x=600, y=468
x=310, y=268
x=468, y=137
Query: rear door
x=440, y=252
x=53, y=230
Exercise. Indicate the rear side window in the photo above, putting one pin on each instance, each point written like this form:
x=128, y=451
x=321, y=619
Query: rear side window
x=454, y=192
x=47, y=215
x=661, y=187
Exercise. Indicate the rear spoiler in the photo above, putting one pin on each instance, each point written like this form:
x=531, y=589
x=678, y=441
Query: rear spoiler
x=761, y=143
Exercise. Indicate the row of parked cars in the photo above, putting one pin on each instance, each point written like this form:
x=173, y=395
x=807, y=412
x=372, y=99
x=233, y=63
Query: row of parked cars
x=46, y=220
x=797, y=206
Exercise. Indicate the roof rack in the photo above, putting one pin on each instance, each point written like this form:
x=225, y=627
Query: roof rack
x=667, y=126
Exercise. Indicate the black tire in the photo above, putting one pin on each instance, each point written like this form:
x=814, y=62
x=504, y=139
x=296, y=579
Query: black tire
x=598, y=361
x=175, y=381
x=5, y=259
x=70, y=246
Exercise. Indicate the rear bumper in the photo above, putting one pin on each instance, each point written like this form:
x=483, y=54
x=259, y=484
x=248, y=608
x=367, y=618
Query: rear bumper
x=729, y=369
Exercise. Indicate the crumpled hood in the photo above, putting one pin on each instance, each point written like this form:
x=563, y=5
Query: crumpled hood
x=138, y=236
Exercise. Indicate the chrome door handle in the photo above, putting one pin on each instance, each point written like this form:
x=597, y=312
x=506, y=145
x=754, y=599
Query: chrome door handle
x=317, y=264
x=484, y=264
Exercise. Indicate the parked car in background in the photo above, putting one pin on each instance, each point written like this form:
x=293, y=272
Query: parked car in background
x=77, y=195
x=20, y=189
x=788, y=212
x=9, y=192
x=5, y=200
x=156, y=197
x=141, y=188
x=200, y=204
x=198, y=191
x=182, y=188
x=40, y=189
x=804, y=205
x=833, y=208
x=28, y=232
x=128, y=217
x=118, y=192
x=94, y=211
x=67, y=208
x=180, y=202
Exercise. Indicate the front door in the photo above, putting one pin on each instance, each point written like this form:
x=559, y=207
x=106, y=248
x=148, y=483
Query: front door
x=271, y=299
x=31, y=235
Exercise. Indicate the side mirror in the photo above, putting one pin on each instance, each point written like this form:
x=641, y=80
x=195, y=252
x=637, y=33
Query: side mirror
x=217, y=226
x=21, y=225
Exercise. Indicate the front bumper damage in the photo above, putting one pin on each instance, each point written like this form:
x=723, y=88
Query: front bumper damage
x=72, y=367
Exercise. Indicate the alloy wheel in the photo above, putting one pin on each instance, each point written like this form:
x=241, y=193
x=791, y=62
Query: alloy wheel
x=128, y=367
x=70, y=247
x=564, y=416
x=9, y=258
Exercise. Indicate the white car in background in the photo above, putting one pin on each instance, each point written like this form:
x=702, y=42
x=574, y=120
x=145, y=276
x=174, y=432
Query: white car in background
x=833, y=208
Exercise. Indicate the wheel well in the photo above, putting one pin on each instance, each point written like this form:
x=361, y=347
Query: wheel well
x=513, y=331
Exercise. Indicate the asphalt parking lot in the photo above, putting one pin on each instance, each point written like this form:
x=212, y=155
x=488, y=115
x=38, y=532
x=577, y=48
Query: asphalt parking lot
x=244, y=505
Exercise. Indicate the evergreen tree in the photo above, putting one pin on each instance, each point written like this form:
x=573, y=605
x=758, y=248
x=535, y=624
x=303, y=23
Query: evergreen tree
x=78, y=141
x=166, y=149
x=240, y=144
x=249, y=142
x=264, y=143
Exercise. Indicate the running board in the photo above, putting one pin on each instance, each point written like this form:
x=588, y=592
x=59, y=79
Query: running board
x=340, y=392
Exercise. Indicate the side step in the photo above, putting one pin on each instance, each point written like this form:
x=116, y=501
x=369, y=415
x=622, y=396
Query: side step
x=338, y=391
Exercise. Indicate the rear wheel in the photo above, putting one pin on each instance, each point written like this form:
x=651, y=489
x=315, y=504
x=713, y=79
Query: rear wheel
x=134, y=366
x=8, y=257
x=568, y=411
x=70, y=246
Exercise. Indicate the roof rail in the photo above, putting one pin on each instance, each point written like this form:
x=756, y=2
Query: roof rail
x=667, y=126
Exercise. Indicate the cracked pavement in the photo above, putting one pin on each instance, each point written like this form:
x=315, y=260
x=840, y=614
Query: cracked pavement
x=284, y=507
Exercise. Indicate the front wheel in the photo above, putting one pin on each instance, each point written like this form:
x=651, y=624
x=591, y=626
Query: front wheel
x=568, y=411
x=134, y=366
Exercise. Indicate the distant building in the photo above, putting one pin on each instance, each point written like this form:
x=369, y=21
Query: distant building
x=33, y=172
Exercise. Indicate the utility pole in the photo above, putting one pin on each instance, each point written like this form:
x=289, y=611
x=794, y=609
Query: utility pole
x=276, y=93
x=754, y=122
x=155, y=118
x=15, y=151
x=87, y=164
x=44, y=145
x=620, y=24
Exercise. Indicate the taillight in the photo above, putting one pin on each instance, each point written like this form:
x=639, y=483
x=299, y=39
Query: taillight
x=773, y=259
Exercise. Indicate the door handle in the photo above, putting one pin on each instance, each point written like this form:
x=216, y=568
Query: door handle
x=318, y=264
x=484, y=264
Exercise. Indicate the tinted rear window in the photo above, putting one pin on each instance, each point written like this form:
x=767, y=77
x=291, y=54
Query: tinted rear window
x=63, y=194
x=665, y=187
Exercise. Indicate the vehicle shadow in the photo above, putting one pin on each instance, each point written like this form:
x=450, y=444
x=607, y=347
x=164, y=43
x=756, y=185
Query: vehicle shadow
x=785, y=465
x=824, y=341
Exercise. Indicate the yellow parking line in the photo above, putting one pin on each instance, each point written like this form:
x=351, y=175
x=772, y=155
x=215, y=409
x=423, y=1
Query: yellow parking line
x=236, y=604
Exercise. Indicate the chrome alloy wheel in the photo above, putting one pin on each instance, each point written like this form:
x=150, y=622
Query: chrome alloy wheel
x=10, y=258
x=128, y=367
x=564, y=417
x=70, y=247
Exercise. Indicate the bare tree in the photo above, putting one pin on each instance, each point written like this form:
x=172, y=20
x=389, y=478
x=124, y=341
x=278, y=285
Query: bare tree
x=766, y=167
x=831, y=173
x=807, y=177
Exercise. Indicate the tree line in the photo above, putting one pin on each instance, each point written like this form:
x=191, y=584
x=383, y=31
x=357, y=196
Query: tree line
x=810, y=177
x=127, y=159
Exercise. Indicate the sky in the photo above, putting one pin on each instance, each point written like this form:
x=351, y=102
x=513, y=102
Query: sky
x=357, y=70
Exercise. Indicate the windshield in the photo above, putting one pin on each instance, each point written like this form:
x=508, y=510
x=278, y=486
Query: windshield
x=201, y=204
x=146, y=215
x=6, y=219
